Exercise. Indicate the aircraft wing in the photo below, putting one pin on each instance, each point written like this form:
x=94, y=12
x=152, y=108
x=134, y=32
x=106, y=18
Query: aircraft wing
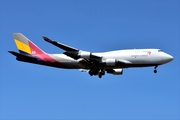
x=60, y=45
x=73, y=52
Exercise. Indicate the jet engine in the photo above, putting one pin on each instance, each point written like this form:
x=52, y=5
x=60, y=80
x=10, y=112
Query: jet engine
x=110, y=62
x=84, y=54
x=115, y=71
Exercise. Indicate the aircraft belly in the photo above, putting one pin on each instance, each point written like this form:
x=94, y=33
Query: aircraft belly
x=134, y=62
x=71, y=65
x=127, y=66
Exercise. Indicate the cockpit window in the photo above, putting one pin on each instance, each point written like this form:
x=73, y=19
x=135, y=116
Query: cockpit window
x=159, y=50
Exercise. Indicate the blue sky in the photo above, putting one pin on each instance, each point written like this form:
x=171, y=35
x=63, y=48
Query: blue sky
x=30, y=91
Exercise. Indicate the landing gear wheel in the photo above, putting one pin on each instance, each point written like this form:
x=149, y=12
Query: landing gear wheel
x=90, y=73
x=100, y=76
x=101, y=73
x=155, y=71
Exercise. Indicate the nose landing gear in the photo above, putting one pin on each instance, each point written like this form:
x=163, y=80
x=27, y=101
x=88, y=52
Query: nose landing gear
x=155, y=71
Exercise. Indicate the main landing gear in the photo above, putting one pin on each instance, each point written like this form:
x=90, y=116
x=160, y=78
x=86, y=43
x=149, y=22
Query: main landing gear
x=155, y=71
x=98, y=72
x=101, y=73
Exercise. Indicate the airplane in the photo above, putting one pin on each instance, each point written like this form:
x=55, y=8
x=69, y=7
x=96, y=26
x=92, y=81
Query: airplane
x=96, y=64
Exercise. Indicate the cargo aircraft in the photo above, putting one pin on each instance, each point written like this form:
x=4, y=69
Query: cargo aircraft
x=98, y=63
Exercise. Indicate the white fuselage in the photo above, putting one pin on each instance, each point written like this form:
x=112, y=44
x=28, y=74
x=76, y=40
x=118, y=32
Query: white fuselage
x=133, y=57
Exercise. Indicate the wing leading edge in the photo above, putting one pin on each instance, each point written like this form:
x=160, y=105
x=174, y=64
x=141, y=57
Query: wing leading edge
x=60, y=45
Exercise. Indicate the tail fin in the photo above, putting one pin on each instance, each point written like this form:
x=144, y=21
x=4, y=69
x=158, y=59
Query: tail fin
x=25, y=46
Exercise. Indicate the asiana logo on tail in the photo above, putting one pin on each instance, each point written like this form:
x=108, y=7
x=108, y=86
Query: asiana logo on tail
x=33, y=52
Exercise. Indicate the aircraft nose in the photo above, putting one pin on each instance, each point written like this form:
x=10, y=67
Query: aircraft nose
x=169, y=58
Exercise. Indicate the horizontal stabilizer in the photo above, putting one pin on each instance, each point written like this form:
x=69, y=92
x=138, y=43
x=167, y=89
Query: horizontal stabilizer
x=23, y=56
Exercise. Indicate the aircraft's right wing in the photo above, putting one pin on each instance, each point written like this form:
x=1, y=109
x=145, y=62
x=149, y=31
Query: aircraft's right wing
x=74, y=52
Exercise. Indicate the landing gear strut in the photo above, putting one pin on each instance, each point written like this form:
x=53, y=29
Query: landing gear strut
x=93, y=72
x=155, y=71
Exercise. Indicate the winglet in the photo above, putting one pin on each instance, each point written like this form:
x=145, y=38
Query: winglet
x=46, y=39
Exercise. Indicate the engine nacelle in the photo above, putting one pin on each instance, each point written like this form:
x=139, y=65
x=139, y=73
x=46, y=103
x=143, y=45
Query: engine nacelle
x=110, y=62
x=115, y=71
x=84, y=54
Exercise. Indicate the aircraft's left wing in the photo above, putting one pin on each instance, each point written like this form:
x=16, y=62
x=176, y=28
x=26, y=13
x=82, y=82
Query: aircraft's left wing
x=74, y=52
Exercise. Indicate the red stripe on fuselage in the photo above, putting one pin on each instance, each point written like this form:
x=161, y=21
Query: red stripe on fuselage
x=43, y=56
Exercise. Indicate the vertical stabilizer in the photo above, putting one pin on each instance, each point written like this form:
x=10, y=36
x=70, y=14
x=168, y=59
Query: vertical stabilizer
x=25, y=46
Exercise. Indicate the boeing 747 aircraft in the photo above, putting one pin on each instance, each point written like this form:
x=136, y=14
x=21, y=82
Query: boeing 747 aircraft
x=112, y=62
